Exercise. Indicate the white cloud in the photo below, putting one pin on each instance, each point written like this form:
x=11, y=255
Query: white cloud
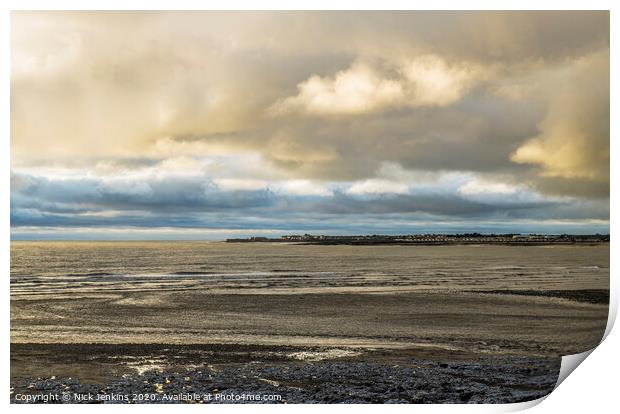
x=478, y=186
x=240, y=184
x=574, y=135
x=303, y=188
x=426, y=80
x=282, y=187
x=352, y=91
x=435, y=83
x=378, y=186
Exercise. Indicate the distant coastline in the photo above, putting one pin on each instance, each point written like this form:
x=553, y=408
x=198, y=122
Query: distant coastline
x=511, y=239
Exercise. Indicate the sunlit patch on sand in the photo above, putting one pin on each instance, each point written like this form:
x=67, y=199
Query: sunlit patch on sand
x=141, y=365
x=321, y=355
x=143, y=301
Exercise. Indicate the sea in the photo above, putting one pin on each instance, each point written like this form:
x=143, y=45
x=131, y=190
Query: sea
x=83, y=267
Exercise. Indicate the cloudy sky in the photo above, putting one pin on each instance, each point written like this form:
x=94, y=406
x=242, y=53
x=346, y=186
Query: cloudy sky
x=210, y=124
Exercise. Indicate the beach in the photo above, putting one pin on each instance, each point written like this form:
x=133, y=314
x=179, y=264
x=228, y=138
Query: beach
x=308, y=323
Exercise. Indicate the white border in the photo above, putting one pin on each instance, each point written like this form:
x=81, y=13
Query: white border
x=310, y=5
x=592, y=388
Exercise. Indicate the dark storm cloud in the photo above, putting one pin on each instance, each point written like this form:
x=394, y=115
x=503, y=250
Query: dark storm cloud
x=195, y=203
x=177, y=195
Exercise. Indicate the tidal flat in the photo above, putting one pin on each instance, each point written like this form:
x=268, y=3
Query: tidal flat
x=400, y=324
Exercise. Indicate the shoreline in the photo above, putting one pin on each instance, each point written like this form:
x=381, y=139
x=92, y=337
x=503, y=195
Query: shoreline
x=508, y=239
x=414, y=243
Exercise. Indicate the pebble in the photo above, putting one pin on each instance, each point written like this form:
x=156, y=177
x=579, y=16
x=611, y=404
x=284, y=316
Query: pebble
x=493, y=380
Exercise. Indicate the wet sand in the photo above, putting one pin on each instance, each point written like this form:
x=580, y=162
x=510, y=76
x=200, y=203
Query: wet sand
x=133, y=337
x=314, y=324
x=478, y=322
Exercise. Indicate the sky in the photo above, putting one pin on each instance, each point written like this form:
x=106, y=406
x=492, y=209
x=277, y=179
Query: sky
x=207, y=125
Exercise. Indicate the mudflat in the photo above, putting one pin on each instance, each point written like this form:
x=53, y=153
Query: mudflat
x=412, y=347
x=492, y=323
x=465, y=324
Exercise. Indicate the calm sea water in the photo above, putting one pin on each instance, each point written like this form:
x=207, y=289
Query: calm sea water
x=57, y=268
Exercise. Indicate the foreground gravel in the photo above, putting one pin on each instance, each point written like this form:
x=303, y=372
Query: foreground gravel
x=488, y=380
